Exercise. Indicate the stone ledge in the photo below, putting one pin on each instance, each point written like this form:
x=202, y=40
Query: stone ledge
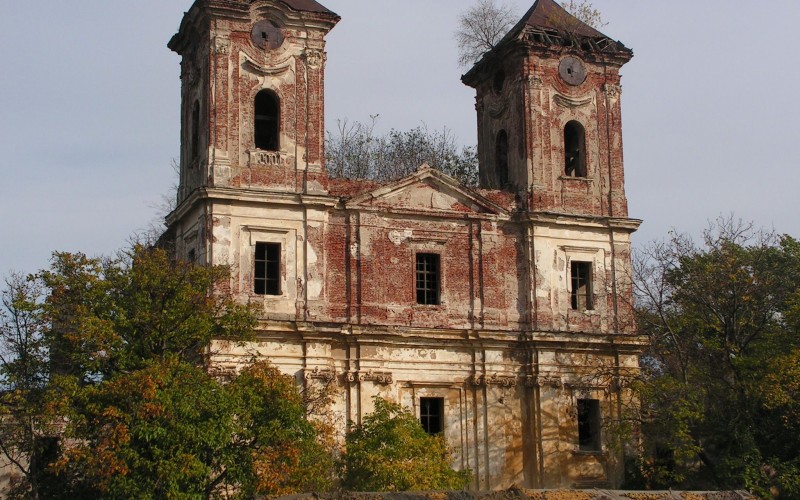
x=514, y=494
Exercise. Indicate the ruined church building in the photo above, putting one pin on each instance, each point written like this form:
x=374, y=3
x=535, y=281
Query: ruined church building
x=500, y=316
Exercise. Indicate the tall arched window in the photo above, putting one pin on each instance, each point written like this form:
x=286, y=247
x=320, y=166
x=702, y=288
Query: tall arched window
x=501, y=158
x=267, y=121
x=574, y=150
x=195, y=138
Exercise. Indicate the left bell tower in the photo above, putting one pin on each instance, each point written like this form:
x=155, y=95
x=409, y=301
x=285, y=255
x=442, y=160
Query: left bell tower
x=252, y=95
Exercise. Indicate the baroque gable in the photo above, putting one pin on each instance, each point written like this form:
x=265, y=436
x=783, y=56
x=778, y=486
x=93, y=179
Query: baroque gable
x=427, y=191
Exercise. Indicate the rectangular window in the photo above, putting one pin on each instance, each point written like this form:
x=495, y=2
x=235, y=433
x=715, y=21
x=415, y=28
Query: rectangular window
x=431, y=414
x=267, y=276
x=428, y=278
x=589, y=424
x=581, y=293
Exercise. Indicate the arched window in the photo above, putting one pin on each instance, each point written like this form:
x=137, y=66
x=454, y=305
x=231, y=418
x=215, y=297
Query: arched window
x=574, y=150
x=501, y=158
x=195, y=139
x=267, y=121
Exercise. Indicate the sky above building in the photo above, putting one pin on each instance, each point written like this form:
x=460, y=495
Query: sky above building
x=89, y=103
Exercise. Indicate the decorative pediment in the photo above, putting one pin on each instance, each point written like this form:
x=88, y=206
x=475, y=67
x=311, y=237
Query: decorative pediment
x=427, y=190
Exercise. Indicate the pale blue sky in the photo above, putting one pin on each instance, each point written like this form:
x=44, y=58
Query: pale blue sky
x=89, y=109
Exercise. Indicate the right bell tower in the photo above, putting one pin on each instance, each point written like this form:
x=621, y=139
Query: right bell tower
x=549, y=116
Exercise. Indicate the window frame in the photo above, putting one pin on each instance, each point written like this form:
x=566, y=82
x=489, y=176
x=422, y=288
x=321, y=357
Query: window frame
x=427, y=414
x=267, y=125
x=426, y=295
x=589, y=420
x=501, y=158
x=575, y=132
x=581, y=274
x=272, y=264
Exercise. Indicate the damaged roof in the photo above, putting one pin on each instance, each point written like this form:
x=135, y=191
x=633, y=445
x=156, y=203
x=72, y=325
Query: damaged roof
x=549, y=15
x=307, y=6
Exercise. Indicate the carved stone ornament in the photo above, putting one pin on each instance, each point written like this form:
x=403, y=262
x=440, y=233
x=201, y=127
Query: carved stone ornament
x=325, y=374
x=270, y=158
x=612, y=90
x=543, y=381
x=494, y=379
x=571, y=102
x=535, y=82
x=222, y=46
x=384, y=378
x=222, y=371
x=314, y=58
x=496, y=106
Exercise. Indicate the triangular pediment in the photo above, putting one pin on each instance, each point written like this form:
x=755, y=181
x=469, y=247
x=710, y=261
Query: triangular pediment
x=427, y=190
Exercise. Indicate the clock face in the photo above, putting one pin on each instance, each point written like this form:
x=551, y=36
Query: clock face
x=572, y=70
x=266, y=35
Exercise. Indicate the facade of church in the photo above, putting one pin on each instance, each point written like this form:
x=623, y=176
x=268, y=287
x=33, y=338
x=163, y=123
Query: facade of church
x=500, y=316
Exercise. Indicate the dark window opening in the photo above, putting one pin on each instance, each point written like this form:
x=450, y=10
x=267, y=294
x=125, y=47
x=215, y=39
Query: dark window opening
x=574, y=150
x=589, y=424
x=195, y=139
x=431, y=414
x=428, y=278
x=267, y=276
x=581, y=280
x=499, y=81
x=45, y=452
x=267, y=121
x=501, y=156
x=191, y=257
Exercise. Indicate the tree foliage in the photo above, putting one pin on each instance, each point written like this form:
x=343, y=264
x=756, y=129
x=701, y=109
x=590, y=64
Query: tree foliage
x=720, y=393
x=585, y=12
x=355, y=151
x=390, y=451
x=106, y=394
x=480, y=28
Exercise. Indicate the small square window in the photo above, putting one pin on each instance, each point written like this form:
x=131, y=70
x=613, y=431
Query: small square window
x=581, y=280
x=589, y=424
x=267, y=273
x=431, y=414
x=428, y=278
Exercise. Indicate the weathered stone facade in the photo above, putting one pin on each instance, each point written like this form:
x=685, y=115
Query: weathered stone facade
x=520, y=335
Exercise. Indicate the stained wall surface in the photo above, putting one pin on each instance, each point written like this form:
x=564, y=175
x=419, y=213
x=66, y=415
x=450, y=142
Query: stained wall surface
x=504, y=345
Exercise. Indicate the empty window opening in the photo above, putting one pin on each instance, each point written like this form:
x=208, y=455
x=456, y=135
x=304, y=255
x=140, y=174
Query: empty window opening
x=191, y=257
x=267, y=121
x=499, y=81
x=589, y=424
x=428, y=278
x=267, y=276
x=574, y=150
x=195, y=139
x=431, y=414
x=581, y=280
x=501, y=157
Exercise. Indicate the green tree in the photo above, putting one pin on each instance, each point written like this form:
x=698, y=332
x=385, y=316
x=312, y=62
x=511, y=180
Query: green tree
x=107, y=396
x=390, y=451
x=720, y=386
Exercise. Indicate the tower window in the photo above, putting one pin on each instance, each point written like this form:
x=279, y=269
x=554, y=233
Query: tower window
x=499, y=81
x=267, y=121
x=431, y=414
x=581, y=280
x=574, y=150
x=589, y=424
x=428, y=278
x=267, y=275
x=195, y=138
x=501, y=158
